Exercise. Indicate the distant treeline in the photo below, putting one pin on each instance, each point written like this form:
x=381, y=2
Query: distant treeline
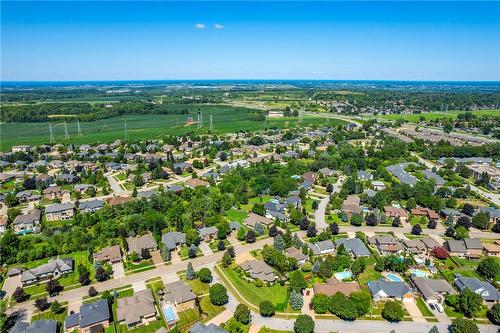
x=84, y=111
x=444, y=149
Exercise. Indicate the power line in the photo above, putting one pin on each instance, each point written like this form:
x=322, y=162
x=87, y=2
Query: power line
x=66, y=134
x=51, y=134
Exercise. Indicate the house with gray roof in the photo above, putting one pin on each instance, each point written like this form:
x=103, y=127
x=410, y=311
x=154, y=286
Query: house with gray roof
x=355, y=246
x=398, y=171
x=322, y=247
x=137, y=244
x=28, y=222
x=386, y=244
x=469, y=247
x=53, y=268
x=433, y=290
x=429, y=174
x=136, y=310
x=258, y=269
x=364, y=175
x=93, y=317
x=383, y=290
x=293, y=252
x=208, y=233
x=234, y=225
x=484, y=289
x=199, y=327
x=59, y=211
x=91, y=205
x=38, y=326
x=180, y=295
x=172, y=239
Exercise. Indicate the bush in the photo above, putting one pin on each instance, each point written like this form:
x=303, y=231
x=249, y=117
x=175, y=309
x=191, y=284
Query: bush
x=266, y=309
x=205, y=275
x=56, y=308
x=242, y=314
x=218, y=294
x=306, y=267
x=259, y=283
x=303, y=324
x=221, y=246
x=416, y=230
x=42, y=304
x=481, y=220
x=20, y=295
x=488, y=268
x=462, y=325
x=92, y=292
x=393, y=311
x=494, y=314
x=320, y=303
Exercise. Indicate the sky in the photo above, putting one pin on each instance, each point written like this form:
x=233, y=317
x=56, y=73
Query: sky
x=353, y=40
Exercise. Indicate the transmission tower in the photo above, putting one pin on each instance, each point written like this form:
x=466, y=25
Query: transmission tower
x=66, y=134
x=211, y=128
x=126, y=137
x=78, y=126
x=51, y=134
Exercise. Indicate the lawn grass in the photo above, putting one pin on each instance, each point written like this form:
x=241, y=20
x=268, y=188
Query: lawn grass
x=415, y=118
x=209, y=310
x=198, y=287
x=47, y=314
x=151, y=328
x=236, y=215
x=187, y=318
x=276, y=294
x=369, y=274
x=143, y=265
x=269, y=330
x=148, y=126
x=252, y=201
x=215, y=242
x=423, y=308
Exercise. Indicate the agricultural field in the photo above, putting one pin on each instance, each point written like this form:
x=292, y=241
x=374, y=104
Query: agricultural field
x=225, y=118
x=415, y=118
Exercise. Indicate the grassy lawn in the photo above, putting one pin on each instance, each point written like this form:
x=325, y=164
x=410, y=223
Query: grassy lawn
x=261, y=199
x=151, y=328
x=50, y=315
x=369, y=274
x=423, y=308
x=187, y=318
x=215, y=242
x=276, y=294
x=143, y=265
x=208, y=309
x=184, y=252
x=198, y=287
x=236, y=215
x=269, y=330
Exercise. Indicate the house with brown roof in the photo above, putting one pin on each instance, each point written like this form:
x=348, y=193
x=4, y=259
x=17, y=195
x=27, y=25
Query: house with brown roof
x=433, y=290
x=351, y=205
x=426, y=212
x=334, y=286
x=110, y=254
x=393, y=212
x=430, y=243
x=180, y=295
x=137, y=310
x=53, y=192
x=493, y=250
x=137, y=244
x=116, y=201
x=385, y=244
x=196, y=182
x=293, y=252
x=252, y=219
x=258, y=269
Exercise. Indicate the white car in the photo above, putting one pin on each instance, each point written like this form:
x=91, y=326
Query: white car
x=439, y=307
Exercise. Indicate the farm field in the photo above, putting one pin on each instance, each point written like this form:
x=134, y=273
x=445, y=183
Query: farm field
x=415, y=118
x=225, y=118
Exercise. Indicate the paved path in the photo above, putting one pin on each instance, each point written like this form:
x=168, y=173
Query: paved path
x=115, y=186
x=221, y=318
x=319, y=214
x=205, y=249
x=414, y=312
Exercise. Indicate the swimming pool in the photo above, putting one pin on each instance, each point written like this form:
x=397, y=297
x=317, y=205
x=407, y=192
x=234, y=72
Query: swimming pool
x=419, y=273
x=343, y=275
x=393, y=278
x=170, y=314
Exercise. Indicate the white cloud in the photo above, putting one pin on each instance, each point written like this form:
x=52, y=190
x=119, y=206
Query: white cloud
x=199, y=26
x=218, y=26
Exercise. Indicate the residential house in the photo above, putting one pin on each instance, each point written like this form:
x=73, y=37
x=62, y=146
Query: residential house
x=83, y=187
x=386, y=244
x=112, y=254
x=351, y=205
x=59, y=211
x=493, y=250
x=378, y=185
x=3, y=224
x=322, y=247
x=93, y=317
x=196, y=182
x=428, y=174
x=180, y=295
x=139, y=243
x=37, y=326
x=393, y=212
x=146, y=194
x=258, y=269
x=430, y=243
x=137, y=310
x=199, y=327
x=53, y=192
x=67, y=178
x=28, y=222
x=117, y=201
x=364, y=175
x=235, y=226
x=334, y=286
x=484, y=289
x=293, y=252
x=456, y=247
x=355, y=246
x=433, y=290
x=27, y=196
x=414, y=246
x=326, y=172
x=450, y=212
x=398, y=171
x=172, y=239
x=252, y=219
x=426, y=212
x=208, y=233
x=382, y=290
x=52, y=269
x=471, y=248
x=91, y=205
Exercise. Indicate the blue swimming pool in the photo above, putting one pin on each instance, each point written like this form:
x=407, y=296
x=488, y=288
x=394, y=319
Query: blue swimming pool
x=393, y=278
x=343, y=275
x=170, y=314
x=419, y=273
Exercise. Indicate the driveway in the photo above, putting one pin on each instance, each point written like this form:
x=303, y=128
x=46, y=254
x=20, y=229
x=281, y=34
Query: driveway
x=74, y=306
x=414, y=312
x=205, y=249
x=11, y=284
x=118, y=270
x=319, y=214
x=156, y=256
x=139, y=286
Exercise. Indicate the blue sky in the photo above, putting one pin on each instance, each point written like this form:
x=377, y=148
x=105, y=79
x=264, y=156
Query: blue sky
x=236, y=40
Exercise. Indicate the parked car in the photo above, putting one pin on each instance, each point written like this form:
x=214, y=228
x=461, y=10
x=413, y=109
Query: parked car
x=439, y=307
x=431, y=305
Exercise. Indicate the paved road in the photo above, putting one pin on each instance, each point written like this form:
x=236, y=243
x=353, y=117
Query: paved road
x=160, y=270
x=319, y=214
x=115, y=186
x=332, y=115
x=493, y=197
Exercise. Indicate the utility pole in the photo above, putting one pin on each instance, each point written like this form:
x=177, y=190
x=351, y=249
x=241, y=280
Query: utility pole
x=51, y=134
x=198, y=124
x=66, y=134
x=78, y=126
x=211, y=128
x=201, y=119
x=126, y=131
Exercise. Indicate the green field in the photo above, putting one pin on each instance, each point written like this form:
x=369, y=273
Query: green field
x=415, y=118
x=225, y=119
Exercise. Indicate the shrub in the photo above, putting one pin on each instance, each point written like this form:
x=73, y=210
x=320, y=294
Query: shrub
x=462, y=325
x=259, y=283
x=494, y=314
x=488, y=268
x=218, y=294
x=42, y=304
x=242, y=314
x=320, y=303
x=56, y=308
x=19, y=295
x=92, y=292
x=205, y=275
x=266, y=309
x=303, y=324
x=393, y=311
